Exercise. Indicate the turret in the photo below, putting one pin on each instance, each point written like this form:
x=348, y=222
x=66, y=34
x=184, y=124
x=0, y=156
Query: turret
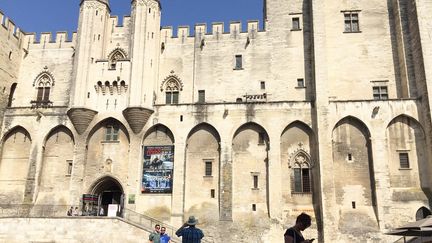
x=92, y=28
x=145, y=51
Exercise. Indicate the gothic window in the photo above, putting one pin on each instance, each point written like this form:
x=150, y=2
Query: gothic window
x=172, y=91
x=301, y=175
x=114, y=57
x=43, y=89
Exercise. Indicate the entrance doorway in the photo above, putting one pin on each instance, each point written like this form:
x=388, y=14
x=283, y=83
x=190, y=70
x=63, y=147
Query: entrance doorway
x=110, y=197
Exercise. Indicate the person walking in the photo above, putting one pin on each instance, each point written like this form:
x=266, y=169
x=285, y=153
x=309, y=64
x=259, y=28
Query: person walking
x=154, y=237
x=294, y=235
x=189, y=233
x=164, y=237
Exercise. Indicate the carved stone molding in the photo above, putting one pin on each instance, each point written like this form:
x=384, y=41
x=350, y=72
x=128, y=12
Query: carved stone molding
x=81, y=118
x=45, y=76
x=149, y=3
x=137, y=117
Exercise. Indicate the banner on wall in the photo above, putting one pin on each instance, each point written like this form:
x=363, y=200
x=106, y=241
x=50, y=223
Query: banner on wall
x=158, y=169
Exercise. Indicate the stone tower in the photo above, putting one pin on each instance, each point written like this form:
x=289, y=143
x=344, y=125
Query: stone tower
x=92, y=28
x=145, y=50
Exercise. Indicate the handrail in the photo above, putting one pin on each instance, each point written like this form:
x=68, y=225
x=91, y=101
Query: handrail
x=148, y=222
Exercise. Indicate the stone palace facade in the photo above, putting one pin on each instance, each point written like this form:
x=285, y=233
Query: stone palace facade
x=324, y=110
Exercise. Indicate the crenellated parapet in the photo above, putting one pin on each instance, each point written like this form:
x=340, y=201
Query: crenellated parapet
x=47, y=40
x=115, y=23
x=216, y=31
x=14, y=32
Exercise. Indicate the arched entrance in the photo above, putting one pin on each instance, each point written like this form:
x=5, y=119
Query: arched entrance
x=110, y=196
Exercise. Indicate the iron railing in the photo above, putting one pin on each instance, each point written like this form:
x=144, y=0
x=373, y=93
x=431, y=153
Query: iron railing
x=148, y=222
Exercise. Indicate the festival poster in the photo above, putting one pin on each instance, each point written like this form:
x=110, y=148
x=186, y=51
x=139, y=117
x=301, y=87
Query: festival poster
x=158, y=169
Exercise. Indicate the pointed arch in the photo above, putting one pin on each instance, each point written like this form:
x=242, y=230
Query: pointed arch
x=408, y=118
x=356, y=122
x=109, y=121
x=116, y=55
x=44, y=79
x=353, y=167
x=205, y=126
x=202, y=152
x=160, y=128
x=14, y=164
x=250, y=164
x=58, y=128
x=297, y=123
x=11, y=131
x=254, y=126
x=172, y=83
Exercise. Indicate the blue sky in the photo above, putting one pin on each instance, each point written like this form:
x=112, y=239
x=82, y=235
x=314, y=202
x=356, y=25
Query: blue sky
x=62, y=15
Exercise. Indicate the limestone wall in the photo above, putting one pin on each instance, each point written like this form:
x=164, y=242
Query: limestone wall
x=69, y=230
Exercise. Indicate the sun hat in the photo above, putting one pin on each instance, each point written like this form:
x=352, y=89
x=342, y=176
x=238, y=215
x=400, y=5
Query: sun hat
x=192, y=220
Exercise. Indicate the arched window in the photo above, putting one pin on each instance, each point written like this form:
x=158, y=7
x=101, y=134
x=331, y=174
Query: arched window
x=116, y=56
x=43, y=84
x=43, y=89
x=301, y=175
x=172, y=89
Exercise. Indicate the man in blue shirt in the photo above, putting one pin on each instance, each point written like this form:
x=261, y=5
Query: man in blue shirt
x=189, y=233
x=164, y=237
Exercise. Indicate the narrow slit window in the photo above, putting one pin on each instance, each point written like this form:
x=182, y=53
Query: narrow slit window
x=238, y=62
x=69, y=167
x=201, y=96
x=255, y=181
x=208, y=168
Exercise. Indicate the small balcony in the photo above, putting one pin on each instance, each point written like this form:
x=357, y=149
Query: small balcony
x=35, y=104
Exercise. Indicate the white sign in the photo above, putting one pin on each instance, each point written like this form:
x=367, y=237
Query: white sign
x=112, y=210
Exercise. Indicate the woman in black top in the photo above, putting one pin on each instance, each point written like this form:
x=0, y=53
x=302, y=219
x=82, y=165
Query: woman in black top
x=294, y=235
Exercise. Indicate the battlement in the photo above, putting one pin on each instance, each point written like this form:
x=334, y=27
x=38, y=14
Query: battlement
x=114, y=20
x=217, y=29
x=46, y=40
x=10, y=27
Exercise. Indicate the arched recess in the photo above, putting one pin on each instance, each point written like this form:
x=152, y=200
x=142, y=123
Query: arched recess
x=107, y=150
x=422, y=213
x=108, y=190
x=116, y=55
x=202, y=168
x=250, y=171
x=14, y=165
x=297, y=148
x=57, y=164
x=11, y=94
x=406, y=152
x=158, y=166
x=354, y=175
